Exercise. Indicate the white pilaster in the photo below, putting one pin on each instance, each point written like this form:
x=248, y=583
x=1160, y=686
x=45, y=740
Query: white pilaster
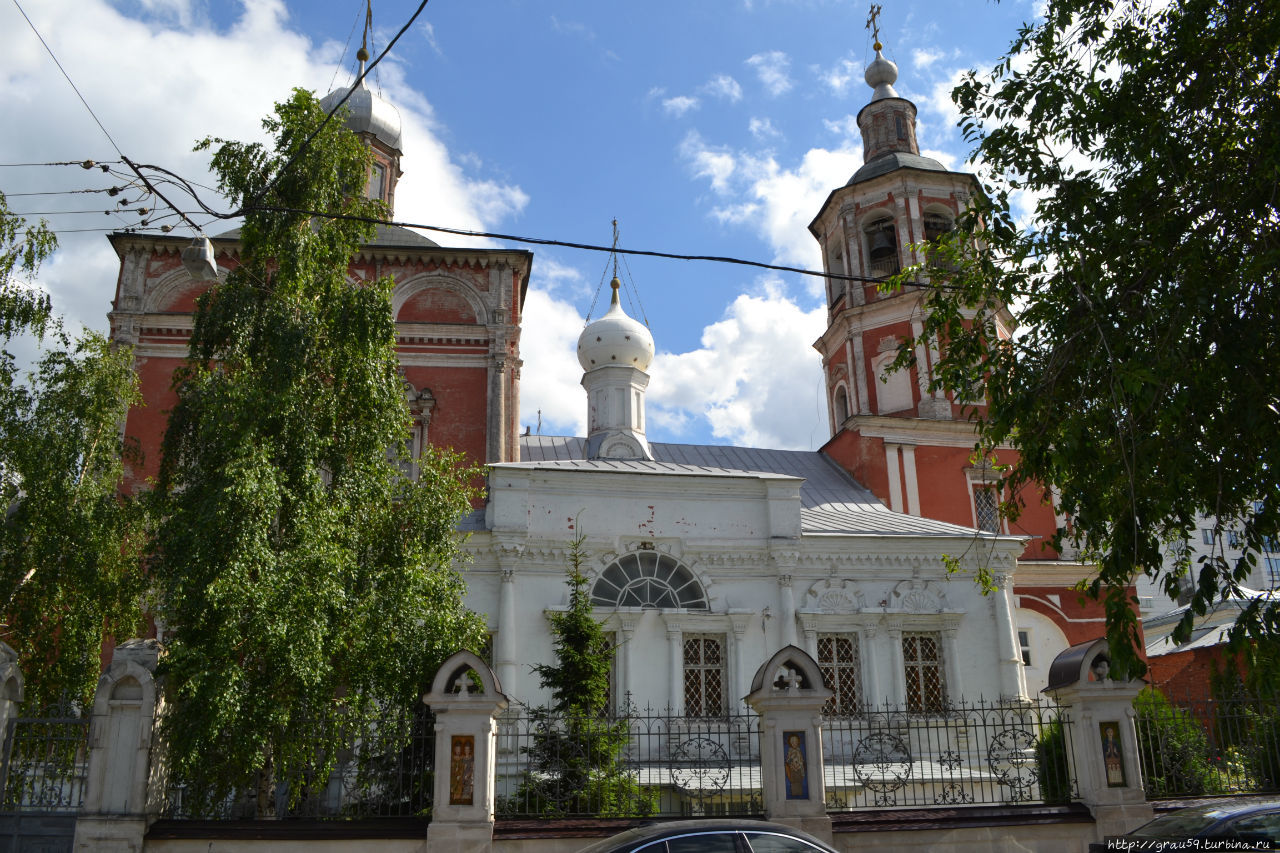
x=895, y=476
x=909, y=475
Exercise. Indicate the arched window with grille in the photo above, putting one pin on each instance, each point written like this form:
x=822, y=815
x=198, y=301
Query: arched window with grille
x=651, y=580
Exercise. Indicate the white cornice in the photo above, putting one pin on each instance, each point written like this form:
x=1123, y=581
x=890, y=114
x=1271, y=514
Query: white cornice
x=897, y=430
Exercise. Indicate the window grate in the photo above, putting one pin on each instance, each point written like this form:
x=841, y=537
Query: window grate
x=986, y=509
x=841, y=669
x=704, y=675
x=922, y=665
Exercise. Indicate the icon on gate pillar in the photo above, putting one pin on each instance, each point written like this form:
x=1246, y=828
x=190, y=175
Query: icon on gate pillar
x=462, y=770
x=796, y=766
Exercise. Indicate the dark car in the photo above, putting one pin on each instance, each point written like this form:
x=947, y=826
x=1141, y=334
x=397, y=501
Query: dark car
x=1238, y=819
x=710, y=836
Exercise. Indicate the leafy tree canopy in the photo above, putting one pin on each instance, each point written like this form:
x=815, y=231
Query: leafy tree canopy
x=302, y=573
x=1142, y=381
x=69, y=540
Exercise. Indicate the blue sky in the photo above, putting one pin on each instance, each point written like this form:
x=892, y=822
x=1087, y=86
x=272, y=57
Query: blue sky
x=711, y=128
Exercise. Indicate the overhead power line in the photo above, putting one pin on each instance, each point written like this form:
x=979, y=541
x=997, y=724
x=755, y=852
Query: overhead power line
x=592, y=247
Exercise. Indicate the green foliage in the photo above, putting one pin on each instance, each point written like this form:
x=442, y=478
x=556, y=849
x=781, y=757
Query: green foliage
x=579, y=679
x=1174, y=747
x=301, y=573
x=22, y=308
x=576, y=758
x=1247, y=721
x=69, y=540
x=1141, y=382
x=1052, y=767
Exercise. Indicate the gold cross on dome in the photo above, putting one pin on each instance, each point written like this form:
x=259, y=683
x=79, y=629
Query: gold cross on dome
x=873, y=23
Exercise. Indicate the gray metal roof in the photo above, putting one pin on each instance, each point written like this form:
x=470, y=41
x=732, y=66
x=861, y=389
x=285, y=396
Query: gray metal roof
x=831, y=501
x=892, y=161
x=386, y=236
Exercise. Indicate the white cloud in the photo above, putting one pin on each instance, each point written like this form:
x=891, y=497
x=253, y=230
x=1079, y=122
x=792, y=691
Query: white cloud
x=777, y=202
x=560, y=279
x=755, y=377
x=707, y=162
x=840, y=76
x=550, y=377
x=169, y=85
x=772, y=67
x=946, y=158
x=924, y=58
x=573, y=28
x=723, y=86
x=763, y=129
x=679, y=105
x=429, y=33
x=846, y=128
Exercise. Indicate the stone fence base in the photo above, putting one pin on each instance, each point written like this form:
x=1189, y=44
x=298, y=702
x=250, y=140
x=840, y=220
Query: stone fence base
x=1015, y=829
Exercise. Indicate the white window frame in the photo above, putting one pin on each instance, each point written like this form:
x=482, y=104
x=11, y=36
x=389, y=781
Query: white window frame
x=924, y=707
x=703, y=711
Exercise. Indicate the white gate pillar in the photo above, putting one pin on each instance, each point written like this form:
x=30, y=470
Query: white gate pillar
x=1102, y=739
x=788, y=694
x=123, y=789
x=11, y=689
x=466, y=699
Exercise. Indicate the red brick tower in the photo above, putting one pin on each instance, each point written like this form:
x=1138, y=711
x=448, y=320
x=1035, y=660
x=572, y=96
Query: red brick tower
x=911, y=446
x=457, y=315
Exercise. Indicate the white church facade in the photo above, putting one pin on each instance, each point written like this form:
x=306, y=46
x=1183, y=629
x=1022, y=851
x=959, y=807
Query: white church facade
x=703, y=560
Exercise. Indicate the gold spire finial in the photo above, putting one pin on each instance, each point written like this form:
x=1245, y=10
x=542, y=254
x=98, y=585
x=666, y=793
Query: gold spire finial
x=873, y=24
x=363, y=53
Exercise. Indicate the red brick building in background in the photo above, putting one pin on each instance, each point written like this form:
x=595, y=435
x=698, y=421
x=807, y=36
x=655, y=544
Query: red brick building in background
x=457, y=315
x=912, y=447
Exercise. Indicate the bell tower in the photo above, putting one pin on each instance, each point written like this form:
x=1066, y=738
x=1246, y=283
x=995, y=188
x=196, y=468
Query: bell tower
x=910, y=445
x=872, y=227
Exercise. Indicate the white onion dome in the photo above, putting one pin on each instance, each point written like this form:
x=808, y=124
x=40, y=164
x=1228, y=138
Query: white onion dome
x=615, y=339
x=368, y=113
x=880, y=76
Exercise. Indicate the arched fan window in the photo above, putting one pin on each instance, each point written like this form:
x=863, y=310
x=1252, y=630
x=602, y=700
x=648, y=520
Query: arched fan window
x=648, y=579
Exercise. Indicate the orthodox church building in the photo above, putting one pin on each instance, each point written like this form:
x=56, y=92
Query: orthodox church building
x=703, y=560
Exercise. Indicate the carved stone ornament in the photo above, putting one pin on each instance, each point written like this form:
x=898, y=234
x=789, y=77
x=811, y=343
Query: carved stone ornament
x=832, y=596
x=916, y=596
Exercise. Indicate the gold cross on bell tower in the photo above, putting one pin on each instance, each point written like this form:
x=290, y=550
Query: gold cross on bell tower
x=873, y=24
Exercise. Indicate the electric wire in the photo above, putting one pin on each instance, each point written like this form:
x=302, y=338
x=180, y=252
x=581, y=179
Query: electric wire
x=94, y=115
x=83, y=164
x=592, y=247
x=306, y=143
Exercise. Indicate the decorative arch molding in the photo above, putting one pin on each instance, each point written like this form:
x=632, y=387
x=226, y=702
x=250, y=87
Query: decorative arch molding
x=917, y=596
x=788, y=670
x=129, y=679
x=893, y=389
x=169, y=287
x=414, y=285
x=651, y=578
x=841, y=403
x=834, y=596
x=454, y=680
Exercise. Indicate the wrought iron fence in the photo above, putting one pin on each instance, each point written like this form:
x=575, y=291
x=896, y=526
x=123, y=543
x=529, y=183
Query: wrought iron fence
x=386, y=770
x=1192, y=747
x=44, y=766
x=647, y=763
x=986, y=752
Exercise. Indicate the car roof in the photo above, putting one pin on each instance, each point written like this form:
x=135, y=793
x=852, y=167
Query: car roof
x=1204, y=817
x=1233, y=806
x=641, y=834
